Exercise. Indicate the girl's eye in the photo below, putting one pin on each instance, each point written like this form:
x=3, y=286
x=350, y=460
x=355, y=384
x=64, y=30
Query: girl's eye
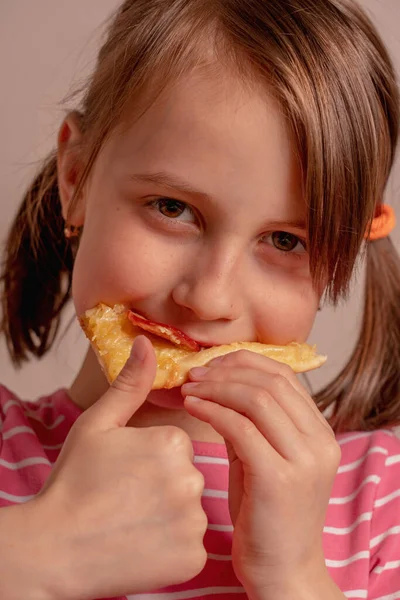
x=286, y=242
x=173, y=209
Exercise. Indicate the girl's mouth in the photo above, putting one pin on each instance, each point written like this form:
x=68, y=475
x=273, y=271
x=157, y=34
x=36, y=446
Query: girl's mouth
x=168, y=332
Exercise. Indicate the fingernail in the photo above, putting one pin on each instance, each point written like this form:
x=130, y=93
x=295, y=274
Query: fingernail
x=189, y=386
x=199, y=371
x=139, y=349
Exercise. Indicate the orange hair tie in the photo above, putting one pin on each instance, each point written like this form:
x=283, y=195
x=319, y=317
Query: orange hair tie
x=383, y=223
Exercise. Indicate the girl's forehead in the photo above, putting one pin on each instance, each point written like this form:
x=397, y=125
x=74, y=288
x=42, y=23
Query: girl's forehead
x=209, y=107
x=220, y=136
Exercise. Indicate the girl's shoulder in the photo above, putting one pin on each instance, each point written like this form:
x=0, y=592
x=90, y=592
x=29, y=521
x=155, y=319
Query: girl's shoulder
x=32, y=434
x=364, y=444
x=48, y=409
x=372, y=454
x=368, y=478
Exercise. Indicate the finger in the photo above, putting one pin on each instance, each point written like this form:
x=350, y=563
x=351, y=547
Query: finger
x=259, y=407
x=129, y=390
x=250, y=359
x=291, y=401
x=248, y=443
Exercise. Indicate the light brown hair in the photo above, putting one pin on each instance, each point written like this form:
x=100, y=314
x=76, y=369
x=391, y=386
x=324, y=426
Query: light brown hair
x=332, y=75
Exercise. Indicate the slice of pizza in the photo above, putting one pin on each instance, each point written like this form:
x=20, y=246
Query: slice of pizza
x=112, y=330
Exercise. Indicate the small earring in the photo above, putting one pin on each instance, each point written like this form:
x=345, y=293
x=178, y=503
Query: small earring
x=71, y=231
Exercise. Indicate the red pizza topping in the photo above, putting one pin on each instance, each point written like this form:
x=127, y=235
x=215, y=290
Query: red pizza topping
x=167, y=332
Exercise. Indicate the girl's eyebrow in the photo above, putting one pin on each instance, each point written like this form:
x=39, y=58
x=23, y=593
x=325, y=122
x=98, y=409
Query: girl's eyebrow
x=299, y=225
x=170, y=180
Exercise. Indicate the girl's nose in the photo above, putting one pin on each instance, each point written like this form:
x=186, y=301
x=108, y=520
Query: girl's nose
x=210, y=288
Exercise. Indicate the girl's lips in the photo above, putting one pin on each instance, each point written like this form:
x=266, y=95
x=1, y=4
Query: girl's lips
x=168, y=332
x=206, y=344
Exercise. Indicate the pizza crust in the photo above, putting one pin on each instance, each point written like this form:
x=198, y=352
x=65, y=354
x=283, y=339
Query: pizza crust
x=111, y=335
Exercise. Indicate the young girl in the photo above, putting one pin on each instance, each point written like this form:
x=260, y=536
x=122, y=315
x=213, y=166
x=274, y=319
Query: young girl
x=224, y=172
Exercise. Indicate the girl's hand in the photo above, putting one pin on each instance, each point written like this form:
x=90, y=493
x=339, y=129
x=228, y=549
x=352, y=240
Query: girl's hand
x=122, y=507
x=283, y=460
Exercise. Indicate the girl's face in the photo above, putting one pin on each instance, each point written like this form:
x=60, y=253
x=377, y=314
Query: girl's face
x=194, y=217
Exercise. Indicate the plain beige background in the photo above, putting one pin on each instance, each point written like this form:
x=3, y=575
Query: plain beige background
x=46, y=48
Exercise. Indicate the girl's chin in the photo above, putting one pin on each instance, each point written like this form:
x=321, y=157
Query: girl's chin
x=167, y=398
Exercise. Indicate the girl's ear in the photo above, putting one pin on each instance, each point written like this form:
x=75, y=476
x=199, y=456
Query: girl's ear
x=69, y=167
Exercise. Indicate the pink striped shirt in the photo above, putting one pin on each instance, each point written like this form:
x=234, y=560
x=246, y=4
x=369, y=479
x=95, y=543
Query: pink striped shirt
x=361, y=533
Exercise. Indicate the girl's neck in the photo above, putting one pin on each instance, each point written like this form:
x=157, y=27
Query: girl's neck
x=90, y=384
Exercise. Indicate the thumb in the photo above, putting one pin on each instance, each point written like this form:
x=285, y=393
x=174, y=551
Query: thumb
x=129, y=390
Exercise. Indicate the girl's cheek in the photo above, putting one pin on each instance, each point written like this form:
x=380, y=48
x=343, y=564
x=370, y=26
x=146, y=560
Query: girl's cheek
x=287, y=312
x=125, y=268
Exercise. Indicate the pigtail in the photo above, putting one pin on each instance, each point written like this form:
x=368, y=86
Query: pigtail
x=37, y=269
x=366, y=394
